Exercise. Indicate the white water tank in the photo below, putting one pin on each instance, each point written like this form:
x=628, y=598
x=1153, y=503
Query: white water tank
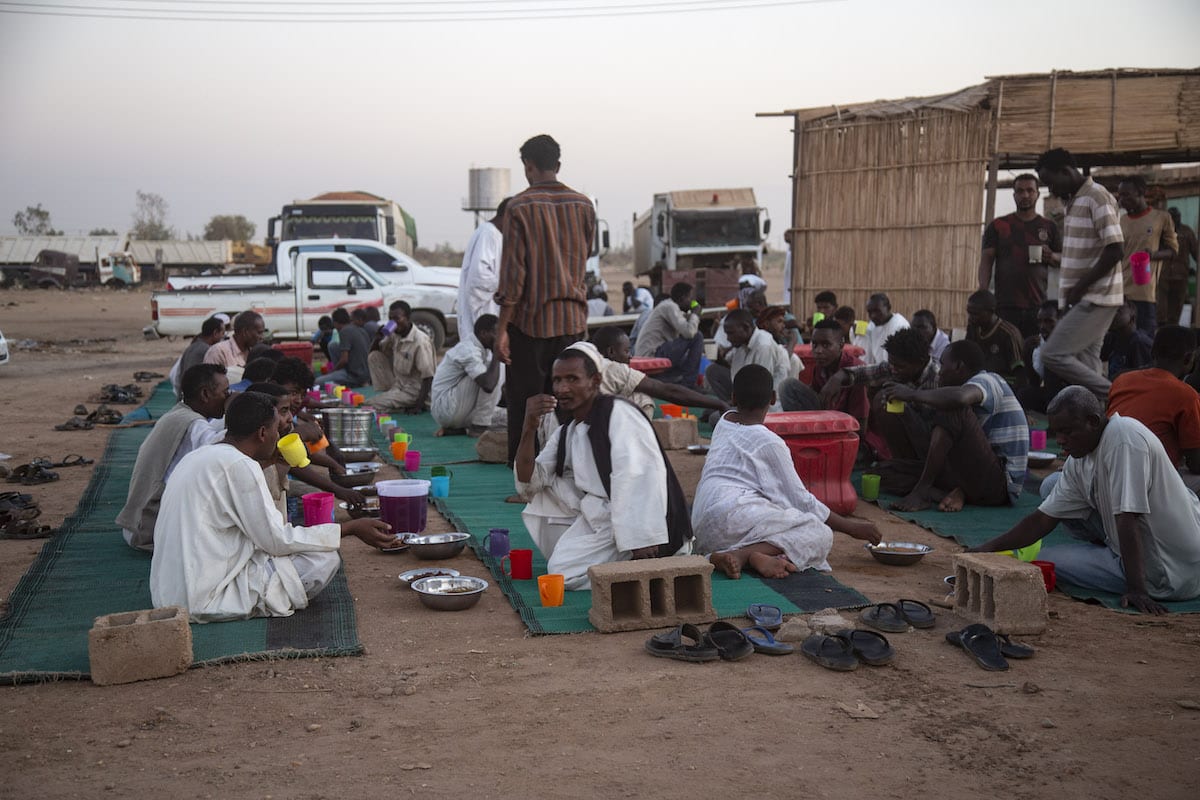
x=487, y=187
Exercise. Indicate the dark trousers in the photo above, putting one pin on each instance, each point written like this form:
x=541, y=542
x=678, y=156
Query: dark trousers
x=971, y=465
x=1147, y=317
x=1025, y=319
x=528, y=375
x=685, y=359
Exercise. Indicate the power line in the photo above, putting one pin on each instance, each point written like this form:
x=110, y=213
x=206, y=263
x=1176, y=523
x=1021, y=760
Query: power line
x=517, y=12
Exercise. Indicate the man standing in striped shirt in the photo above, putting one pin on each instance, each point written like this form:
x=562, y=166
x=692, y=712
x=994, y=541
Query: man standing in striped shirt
x=548, y=233
x=1090, y=286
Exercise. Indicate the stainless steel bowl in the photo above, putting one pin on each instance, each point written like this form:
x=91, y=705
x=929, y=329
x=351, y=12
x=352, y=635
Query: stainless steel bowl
x=370, y=509
x=358, y=453
x=450, y=594
x=438, y=545
x=413, y=575
x=898, y=554
x=349, y=427
x=352, y=479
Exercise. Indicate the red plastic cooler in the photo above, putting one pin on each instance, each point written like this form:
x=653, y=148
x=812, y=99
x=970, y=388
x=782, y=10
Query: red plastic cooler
x=300, y=350
x=823, y=446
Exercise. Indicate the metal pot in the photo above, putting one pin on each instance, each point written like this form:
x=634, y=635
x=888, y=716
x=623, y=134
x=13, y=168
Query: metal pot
x=349, y=427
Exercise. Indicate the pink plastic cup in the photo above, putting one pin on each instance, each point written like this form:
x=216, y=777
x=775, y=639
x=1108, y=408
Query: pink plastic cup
x=1139, y=264
x=1037, y=440
x=412, y=460
x=318, y=508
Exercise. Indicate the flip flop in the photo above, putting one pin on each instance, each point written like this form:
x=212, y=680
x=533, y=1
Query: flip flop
x=870, y=647
x=146, y=377
x=25, y=529
x=885, y=617
x=764, y=642
x=981, y=644
x=75, y=424
x=675, y=644
x=729, y=641
x=73, y=460
x=765, y=616
x=916, y=613
x=1008, y=648
x=80, y=410
x=831, y=652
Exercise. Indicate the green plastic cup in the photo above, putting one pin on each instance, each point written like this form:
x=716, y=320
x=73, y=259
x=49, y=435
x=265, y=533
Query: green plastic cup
x=870, y=486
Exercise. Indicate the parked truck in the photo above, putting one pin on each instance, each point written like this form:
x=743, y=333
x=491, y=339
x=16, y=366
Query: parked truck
x=707, y=237
x=347, y=215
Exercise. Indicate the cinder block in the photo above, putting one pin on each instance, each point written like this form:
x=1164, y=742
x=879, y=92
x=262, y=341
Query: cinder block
x=651, y=593
x=492, y=447
x=676, y=434
x=139, y=645
x=1003, y=593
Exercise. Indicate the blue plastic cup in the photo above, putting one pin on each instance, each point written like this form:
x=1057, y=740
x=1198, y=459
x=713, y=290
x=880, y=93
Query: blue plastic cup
x=439, y=486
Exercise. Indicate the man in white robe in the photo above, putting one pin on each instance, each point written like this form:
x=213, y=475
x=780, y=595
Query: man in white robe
x=751, y=508
x=480, y=275
x=222, y=550
x=580, y=514
x=465, y=391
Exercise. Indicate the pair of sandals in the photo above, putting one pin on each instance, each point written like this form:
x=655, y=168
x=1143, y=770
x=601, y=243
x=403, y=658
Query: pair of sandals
x=112, y=393
x=103, y=415
x=989, y=649
x=898, y=616
x=18, y=513
x=33, y=473
x=722, y=641
x=846, y=649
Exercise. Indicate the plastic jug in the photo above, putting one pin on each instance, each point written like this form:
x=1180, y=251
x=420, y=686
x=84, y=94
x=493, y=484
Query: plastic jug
x=403, y=504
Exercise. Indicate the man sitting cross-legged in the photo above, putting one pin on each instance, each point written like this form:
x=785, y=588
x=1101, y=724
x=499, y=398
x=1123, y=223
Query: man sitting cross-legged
x=1121, y=495
x=222, y=550
x=464, y=385
x=964, y=442
x=402, y=364
x=751, y=507
x=601, y=489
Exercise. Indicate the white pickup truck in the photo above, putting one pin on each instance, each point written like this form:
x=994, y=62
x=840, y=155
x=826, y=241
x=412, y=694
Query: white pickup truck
x=291, y=301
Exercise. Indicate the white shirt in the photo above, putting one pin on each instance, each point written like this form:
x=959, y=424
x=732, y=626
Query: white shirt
x=1129, y=472
x=220, y=543
x=641, y=301
x=762, y=349
x=877, y=335
x=467, y=360
x=479, y=278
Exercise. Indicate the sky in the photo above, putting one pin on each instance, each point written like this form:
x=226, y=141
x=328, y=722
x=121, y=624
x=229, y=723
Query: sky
x=241, y=117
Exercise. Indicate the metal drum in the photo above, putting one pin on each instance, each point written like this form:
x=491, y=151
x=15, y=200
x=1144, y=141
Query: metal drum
x=349, y=427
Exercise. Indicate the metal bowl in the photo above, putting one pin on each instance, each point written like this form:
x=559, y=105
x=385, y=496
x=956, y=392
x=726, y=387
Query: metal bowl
x=370, y=509
x=450, y=594
x=358, y=453
x=898, y=554
x=438, y=545
x=1041, y=460
x=413, y=575
x=352, y=479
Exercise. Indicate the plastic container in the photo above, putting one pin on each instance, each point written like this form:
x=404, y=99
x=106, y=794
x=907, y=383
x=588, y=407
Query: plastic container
x=823, y=445
x=349, y=427
x=1139, y=265
x=318, y=507
x=404, y=504
x=300, y=350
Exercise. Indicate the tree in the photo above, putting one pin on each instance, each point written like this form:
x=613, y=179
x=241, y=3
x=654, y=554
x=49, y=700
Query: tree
x=102, y=232
x=34, y=221
x=229, y=226
x=150, y=218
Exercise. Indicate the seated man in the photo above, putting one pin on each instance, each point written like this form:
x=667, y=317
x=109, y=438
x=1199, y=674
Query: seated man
x=402, y=364
x=1125, y=346
x=999, y=339
x=181, y=430
x=925, y=322
x=610, y=350
x=232, y=353
x=673, y=331
x=883, y=324
x=598, y=302
x=751, y=508
x=965, y=442
x=846, y=317
x=1121, y=495
x=324, y=335
x=353, y=346
x=750, y=345
x=222, y=551
x=601, y=489
x=211, y=332
x=464, y=385
x=829, y=357
x=1158, y=398
x=1040, y=383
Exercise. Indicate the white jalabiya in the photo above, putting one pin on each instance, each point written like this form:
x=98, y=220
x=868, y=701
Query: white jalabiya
x=222, y=549
x=598, y=530
x=456, y=399
x=749, y=493
x=479, y=278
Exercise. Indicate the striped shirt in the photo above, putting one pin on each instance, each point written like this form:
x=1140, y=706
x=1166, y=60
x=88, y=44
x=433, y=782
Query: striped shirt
x=1003, y=422
x=1092, y=222
x=548, y=234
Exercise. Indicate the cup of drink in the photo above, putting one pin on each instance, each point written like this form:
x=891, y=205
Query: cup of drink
x=860, y=327
x=399, y=450
x=1048, y=578
x=671, y=410
x=404, y=504
x=497, y=542
x=817, y=317
x=1037, y=440
x=337, y=391
x=1139, y=264
x=1035, y=254
x=318, y=508
x=895, y=406
x=439, y=486
x=412, y=460
x=518, y=565
x=293, y=450
x=870, y=486
x=313, y=396
x=551, y=589
x=439, y=470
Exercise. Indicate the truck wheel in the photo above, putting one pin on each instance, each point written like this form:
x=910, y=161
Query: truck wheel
x=115, y=283
x=433, y=326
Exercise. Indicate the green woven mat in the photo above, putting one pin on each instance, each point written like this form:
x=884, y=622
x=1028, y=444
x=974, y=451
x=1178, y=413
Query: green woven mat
x=87, y=570
x=476, y=503
x=434, y=450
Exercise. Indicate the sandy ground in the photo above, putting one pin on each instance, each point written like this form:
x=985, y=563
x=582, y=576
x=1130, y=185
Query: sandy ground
x=453, y=705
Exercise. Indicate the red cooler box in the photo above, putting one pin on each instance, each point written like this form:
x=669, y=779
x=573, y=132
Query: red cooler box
x=823, y=446
x=300, y=350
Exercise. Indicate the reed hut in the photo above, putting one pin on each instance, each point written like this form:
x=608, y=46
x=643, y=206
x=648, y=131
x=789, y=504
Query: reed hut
x=892, y=195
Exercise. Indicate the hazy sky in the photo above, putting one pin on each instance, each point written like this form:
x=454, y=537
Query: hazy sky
x=236, y=117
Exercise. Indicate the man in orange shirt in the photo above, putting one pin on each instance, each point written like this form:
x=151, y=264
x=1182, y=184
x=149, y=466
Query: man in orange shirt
x=1158, y=398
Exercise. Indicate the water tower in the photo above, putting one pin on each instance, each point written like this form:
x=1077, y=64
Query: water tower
x=487, y=186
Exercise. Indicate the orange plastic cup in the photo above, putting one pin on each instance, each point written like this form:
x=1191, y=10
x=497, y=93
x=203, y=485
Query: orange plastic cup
x=318, y=445
x=671, y=410
x=398, y=450
x=551, y=589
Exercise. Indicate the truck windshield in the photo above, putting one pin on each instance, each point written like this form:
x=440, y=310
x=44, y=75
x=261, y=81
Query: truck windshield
x=715, y=228
x=312, y=226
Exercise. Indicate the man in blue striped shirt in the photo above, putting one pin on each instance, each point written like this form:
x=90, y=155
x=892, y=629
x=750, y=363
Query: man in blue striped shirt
x=972, y=439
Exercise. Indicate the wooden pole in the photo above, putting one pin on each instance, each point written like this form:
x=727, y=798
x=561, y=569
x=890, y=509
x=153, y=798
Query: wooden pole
x=993, y=172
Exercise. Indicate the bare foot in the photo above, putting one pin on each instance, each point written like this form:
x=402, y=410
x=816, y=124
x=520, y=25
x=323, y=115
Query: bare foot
x=771, y=566
x=728, y=563
x=914, y=502
x=518, y=499
x=440, y=432
x=954, y=501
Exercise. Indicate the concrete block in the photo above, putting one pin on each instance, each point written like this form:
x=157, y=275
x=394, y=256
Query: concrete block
x=139, y=645
x=1003, y=593
x=492, y=447
x=651, y=593
x=676, y=434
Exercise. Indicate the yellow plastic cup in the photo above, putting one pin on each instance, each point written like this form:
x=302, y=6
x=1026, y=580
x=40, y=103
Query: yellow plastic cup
x=860, y=327
x=337, y=391
x=293, y=450
x=895, y=406
x=1027, y=553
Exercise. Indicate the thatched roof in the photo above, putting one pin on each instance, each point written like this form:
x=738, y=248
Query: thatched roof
x=969, y=99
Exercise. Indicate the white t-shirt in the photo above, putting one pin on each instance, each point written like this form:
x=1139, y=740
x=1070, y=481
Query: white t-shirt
x=1129, y=472
x=467, y=360
x=877, y=335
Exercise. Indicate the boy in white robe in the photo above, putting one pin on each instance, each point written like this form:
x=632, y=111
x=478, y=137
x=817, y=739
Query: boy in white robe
x=222, y=549
x=465, y=390
x=575, y=519
x=751, y=508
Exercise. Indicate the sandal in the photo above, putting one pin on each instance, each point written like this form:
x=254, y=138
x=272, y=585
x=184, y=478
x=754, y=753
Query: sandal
x=885, y=617
x=916, y=613
x=764, y=642
x=1008, y=648
x=80, y=410
x=729, y=640
x=75, y=424
x=981, y=644
x=18, y=529
x=146, y=377
x=684, y=643
x=73, y=460
x=104, y=415
x=831, y=652
x=869, y=647
x=765, y=616
x=32, y=474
